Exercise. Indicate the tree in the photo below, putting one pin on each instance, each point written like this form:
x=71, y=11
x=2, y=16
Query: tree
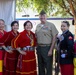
x=50, y=6
x=56, y=6
x=61, y=8
x=73, y=9
x=68, y=6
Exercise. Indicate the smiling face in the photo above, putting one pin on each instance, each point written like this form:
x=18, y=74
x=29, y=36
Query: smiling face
x=28, y=26
x=43, y=18
x=2, y=25
x=15, y=27
x=64, y=27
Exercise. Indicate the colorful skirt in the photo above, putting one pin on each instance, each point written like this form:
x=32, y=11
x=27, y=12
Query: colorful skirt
x=67, y=69
x=26, y=64
x=11, y=63
x=2, y=55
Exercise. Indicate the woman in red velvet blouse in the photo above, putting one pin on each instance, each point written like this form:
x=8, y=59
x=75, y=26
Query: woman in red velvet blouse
x=11, y=54
x=2, y=52
x=25, y=43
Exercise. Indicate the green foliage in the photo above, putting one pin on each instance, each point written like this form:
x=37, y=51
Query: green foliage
x=59, y=8
x=22, y=4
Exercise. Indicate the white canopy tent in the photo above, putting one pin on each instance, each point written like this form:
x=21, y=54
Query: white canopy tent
x=7, y=12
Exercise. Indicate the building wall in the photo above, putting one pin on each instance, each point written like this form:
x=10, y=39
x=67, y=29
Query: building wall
x=55, y=21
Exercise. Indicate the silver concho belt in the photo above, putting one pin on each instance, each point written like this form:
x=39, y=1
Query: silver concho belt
x=28, y=48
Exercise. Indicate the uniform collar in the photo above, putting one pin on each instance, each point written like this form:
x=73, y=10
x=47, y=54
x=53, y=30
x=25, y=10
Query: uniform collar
x=65, y=31
x=14, y=33
x=27, y=31
x=44, y=23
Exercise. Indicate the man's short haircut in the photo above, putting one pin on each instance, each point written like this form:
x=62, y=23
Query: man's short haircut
x=42, y=12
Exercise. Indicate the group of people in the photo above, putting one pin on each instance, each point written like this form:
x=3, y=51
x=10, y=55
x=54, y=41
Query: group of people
x=17, y=50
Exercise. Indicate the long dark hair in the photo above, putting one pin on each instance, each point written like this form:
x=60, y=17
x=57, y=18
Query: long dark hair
x=12, y=24
x=28, y=22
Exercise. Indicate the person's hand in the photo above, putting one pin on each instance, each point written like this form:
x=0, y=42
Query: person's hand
x=9, y=51
x=50, y=53
x=6, y=49
x=23, y=53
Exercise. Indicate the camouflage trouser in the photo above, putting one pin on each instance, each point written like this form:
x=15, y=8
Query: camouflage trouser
x=44, y=61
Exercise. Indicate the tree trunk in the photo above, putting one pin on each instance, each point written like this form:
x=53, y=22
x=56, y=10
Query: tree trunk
x=75, y=26
x=74, y=14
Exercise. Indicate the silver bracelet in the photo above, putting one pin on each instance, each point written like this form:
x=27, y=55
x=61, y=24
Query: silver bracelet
x=5, y=49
